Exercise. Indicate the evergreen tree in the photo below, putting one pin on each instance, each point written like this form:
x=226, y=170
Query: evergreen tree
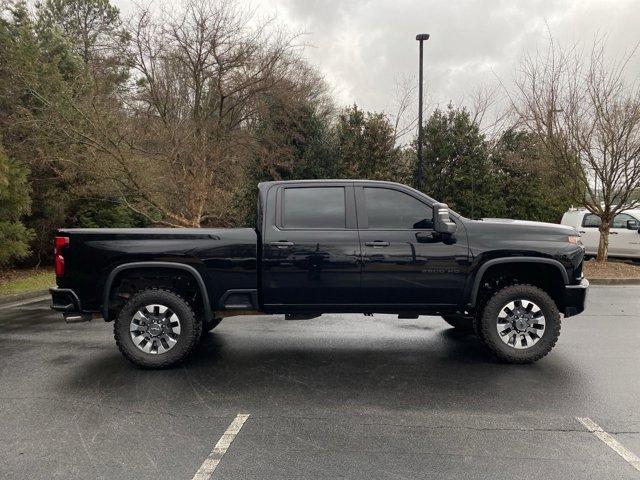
x=531, y=189
x=365, y=146
x=14, y=203
x=292, y=140
x=458, y=169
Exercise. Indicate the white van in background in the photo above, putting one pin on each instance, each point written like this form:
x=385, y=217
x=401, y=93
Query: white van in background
x=624, y=238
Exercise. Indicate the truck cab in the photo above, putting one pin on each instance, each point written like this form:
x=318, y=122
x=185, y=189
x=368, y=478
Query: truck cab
x=358, y=247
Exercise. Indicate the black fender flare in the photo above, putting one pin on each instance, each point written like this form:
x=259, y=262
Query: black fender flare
x=180, y=266
x=496, y=261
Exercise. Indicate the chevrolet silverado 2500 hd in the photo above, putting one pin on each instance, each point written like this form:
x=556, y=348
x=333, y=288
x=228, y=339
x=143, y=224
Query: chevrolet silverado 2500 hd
x=323, y=246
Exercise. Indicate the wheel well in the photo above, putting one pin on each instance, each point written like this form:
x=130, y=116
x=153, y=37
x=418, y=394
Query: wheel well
x=544, y=276
x=130, y=281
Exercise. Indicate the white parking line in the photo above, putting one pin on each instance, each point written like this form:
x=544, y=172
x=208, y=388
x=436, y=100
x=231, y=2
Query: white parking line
x=209, y=465
x=631, y=458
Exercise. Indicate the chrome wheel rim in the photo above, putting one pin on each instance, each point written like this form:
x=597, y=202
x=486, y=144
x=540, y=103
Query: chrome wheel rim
x=155, y=329
x=521, y=324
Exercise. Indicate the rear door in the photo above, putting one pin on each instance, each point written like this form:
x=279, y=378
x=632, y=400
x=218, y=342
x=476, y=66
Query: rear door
x=311, y=249
x=590, y=233
x=405, y=262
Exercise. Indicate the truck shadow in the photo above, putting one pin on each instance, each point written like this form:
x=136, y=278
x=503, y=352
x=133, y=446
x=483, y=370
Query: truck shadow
x=255, y=372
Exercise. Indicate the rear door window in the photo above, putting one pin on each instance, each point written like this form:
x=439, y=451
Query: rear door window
x=314, y=207
x=591, y=220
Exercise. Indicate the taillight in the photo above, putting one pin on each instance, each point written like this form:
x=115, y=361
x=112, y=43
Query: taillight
x=58, y=259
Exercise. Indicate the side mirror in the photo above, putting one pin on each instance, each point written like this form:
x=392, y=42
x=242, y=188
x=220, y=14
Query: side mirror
x=633, y=224
x=441, y=221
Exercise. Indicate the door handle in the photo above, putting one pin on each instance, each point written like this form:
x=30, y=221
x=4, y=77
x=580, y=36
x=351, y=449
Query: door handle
x=282, y=244
x=582, y=231
x=613, y=233
x=377, y=243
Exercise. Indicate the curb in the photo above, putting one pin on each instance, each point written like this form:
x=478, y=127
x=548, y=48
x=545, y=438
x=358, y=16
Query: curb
x=16, y=297
x=614, y=281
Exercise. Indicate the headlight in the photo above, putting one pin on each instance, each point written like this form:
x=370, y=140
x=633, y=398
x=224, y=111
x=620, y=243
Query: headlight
x=575, y=239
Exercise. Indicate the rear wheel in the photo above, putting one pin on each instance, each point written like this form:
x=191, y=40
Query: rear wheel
x=156, y=329
x=520, y=324
x=463, y=323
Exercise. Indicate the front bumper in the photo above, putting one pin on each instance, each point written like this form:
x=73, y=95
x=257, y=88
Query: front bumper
x=575, y=298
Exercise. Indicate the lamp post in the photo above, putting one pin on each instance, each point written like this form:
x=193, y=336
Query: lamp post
x=421, y=38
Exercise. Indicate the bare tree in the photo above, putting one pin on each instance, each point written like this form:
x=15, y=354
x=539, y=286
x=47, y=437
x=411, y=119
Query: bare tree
x=489, y=109
x=405, y=116
x=173, y=143
x=586, y=113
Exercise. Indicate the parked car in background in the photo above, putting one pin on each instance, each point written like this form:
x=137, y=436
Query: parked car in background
x=624, y=238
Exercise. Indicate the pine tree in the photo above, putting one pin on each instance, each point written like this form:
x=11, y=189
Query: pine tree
x=14, y=203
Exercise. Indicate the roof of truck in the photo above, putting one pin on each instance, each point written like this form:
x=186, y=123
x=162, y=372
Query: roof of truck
x=264, y=186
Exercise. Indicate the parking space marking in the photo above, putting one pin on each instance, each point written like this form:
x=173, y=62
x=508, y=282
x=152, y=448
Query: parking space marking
x=631, y=458
x=211, y=462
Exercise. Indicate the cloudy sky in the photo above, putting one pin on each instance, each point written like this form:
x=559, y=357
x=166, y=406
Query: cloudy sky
x=364, y=46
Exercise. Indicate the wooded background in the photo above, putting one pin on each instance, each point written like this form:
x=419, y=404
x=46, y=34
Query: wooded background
x=172, y=116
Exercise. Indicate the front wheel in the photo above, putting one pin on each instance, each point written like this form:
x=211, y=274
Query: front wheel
x=520, y=324
x=156, y=329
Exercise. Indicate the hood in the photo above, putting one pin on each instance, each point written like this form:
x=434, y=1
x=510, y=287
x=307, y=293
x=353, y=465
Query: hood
x=522, y=226
x=528, y=223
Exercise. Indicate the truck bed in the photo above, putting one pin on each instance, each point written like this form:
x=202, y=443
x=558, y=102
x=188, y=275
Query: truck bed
x=226, y=259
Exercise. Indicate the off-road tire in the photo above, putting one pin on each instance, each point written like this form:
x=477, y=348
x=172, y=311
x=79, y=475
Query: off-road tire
x=190, y=329
x=462, y=323
x=488, y=333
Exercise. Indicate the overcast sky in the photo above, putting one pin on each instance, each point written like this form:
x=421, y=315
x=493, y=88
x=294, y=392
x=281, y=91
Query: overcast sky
x=363, y=46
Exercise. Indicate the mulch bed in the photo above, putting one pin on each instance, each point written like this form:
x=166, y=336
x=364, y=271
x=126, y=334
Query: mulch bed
x=611, y=269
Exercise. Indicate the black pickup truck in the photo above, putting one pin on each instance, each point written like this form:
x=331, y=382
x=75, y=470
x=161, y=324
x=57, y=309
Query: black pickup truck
x=325, y=246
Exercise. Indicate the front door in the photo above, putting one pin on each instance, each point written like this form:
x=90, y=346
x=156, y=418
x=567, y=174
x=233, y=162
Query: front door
x=623, y=241
x=405, y=262
x=311, y=251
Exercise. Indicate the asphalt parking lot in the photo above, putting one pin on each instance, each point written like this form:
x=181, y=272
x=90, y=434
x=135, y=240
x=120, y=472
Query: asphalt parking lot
x=342, y=396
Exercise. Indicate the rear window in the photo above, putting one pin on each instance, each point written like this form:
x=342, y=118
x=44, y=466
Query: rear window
x=314, y=207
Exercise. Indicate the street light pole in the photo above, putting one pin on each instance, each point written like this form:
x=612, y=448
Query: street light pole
x=421, y=38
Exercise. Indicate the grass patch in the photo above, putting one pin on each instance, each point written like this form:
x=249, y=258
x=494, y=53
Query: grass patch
x=19, y=281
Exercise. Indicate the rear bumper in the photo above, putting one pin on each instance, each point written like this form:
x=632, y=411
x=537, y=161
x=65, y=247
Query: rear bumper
x=575, y=298
x=66, y=301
